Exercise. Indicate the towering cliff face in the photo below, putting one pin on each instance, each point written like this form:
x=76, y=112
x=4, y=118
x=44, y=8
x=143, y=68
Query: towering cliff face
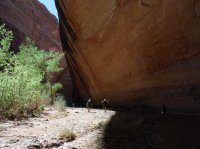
x=30, y=18
x=131, y=51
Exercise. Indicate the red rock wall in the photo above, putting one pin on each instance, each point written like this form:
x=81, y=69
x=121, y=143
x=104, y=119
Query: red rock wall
x=30, y=18
x=132, y=51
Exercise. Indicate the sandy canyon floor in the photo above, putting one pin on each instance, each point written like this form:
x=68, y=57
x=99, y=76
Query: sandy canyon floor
x=44, y=131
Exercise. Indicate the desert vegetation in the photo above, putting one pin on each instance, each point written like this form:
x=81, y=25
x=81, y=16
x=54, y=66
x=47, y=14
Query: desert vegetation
x=25, y=77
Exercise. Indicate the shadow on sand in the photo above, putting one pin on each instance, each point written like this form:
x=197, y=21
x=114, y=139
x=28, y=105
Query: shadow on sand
x=145, y=130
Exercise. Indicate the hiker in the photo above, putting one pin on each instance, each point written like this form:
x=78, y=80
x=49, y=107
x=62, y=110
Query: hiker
x=164, y=110
x=73, y=105
x=105, y=104
x=89, y=104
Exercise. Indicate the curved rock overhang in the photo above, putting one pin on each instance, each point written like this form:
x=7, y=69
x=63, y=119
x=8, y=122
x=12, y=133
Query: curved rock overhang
x=133, y=51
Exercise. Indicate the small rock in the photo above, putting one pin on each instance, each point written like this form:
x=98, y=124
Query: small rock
x=35, y=140
x=68, y=147
x=13, y=141
x=53, y=138
x=54, y=144
x=45, y=143
x=35, y=146
x=31, y=124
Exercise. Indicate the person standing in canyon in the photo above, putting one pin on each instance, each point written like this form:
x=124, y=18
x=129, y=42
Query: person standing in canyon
x=164, y=110
x=105, y=104
x=89, y=104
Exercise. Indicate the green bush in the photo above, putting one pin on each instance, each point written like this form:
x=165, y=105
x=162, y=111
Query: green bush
x=24, y=77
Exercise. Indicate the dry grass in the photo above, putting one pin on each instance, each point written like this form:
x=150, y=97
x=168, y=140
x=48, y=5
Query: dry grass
x=60, y=104
x=67, y=135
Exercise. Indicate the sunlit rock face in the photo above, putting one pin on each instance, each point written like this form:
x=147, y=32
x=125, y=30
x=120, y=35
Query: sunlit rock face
x=134, y=51
x=30, y=18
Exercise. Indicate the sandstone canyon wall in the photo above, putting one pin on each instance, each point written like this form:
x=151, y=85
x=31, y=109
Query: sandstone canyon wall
x=30, y=18
x=134, y=51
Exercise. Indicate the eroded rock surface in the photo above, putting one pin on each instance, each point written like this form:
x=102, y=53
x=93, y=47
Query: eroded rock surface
x=130, y=51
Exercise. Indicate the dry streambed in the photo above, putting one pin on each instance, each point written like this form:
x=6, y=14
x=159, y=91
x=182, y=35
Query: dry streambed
x=44, y=132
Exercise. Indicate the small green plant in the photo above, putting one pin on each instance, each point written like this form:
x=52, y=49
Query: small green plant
x=67, y=135
x=54, y=89
x=60, y=103
x=100, y=125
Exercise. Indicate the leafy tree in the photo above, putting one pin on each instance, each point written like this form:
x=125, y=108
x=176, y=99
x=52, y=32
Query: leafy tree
x=5, y=42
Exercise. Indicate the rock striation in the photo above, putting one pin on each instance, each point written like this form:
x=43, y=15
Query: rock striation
x=134, y=51
x=30, y=18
